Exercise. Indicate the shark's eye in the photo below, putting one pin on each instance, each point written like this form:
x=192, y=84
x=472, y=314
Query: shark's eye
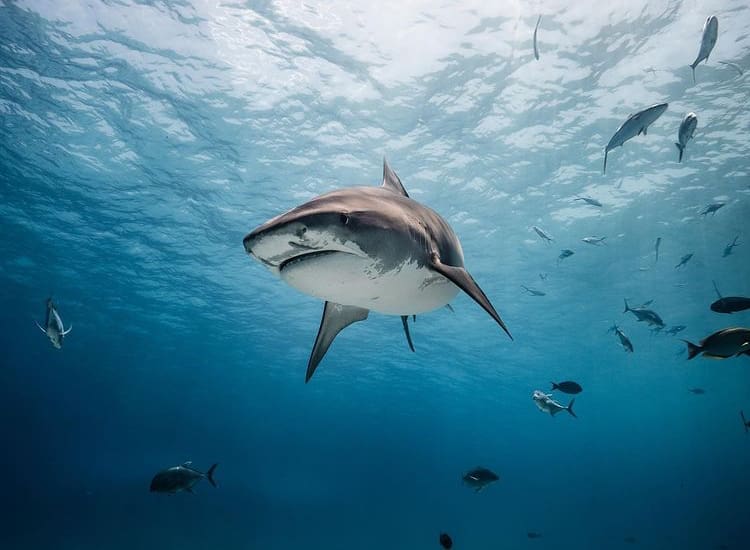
x=344, y=219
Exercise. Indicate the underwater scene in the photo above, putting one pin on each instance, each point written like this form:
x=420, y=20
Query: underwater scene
x=375, y=275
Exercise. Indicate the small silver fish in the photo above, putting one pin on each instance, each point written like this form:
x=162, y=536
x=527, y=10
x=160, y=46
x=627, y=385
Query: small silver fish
x=597, y=241
x=624, y=340
x=589, y=200
x=656, y=248
x=545, y=403
x=685, y=133
x=533, y=291
x=712, y=208
x=539, y=231
x=708, y=41
x=536, y=49
x=635, y=125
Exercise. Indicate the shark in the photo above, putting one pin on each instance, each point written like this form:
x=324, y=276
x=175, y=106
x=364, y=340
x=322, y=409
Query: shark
x=53, y=326
x=363, y=249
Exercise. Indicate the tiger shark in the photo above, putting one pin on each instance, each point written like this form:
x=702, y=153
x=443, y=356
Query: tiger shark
x=365, y=249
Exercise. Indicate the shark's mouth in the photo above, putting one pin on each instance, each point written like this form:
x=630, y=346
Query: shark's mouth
x=308, y=256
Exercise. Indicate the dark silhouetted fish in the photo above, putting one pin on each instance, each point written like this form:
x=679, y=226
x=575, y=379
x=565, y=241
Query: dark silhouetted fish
x=446, y=541
x=708, y=41
x=479, y=478
x=589, y=200
x=745, y=423
x=684, y=260
x=646, y=315
x=722, y=344
x=180, y=478
x=539, y=231
x=685, y=133
x=567, y=387
x=730, y=304
x=697, y=391
x=567, y=253
x=533, y=291
x=728, y=248
x=533, y=535
x=712, y=208
x=536, y=29
x=656, y=248
x=635, y=125
x=624, y=340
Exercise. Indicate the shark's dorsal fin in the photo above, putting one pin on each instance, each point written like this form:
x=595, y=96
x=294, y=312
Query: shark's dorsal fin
x=405, y=321
x=461, y=278
x=335, y=319
x=391, y=180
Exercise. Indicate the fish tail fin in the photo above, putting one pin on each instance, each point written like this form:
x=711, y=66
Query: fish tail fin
x=681, y=149
x=604, y=170
x=693, y=350
x=627, y=307
x=210, y=475
x=554, y=386
x=569, y=408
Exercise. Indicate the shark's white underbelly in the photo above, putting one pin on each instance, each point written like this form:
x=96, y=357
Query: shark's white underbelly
x=352, y=280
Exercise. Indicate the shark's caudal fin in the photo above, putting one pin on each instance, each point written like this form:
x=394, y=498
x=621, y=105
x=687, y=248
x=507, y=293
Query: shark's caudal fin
x=210, y=475
x=461, y=278
x=681, y=149
x=693, y=350
x=405, y=321
x=569, y=408
x=335, y=319
x=604, y=171
x=40, y=327
x=392, y=181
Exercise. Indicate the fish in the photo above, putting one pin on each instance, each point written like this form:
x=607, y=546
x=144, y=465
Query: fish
x=545, y=403
x=566, y=253
x=728, y=248
x=589, y=200
x=684, y=260
x=533, y=291
x=542, y=234
x=733, y=65
x=479, y=478
x=543, y=276
x=730, y=304
x=624, y=340
x=53, y=326
x=446, y=541
x=712, y=208
x=647, y=315
x=722, y=344
x=708, y=41
x=180, y=478
x=536, y=28
x=697, y=391
x=363, y=249
x=676, y=329
x=533, y=535
x=597, y=241
x=745, y=423
x=633, y=126
x=656, y=248
x=686, y=133
x=567, y=387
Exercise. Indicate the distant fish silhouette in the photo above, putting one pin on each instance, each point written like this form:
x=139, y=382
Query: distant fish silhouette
x=536, y=28
x=712, y=208
x=539, y=231
x=728, y=248
x=708, y=41
x=684, y=260
x=446, y=541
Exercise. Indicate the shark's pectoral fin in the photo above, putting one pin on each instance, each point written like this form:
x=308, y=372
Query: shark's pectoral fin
x=40, y=327
x=461, y=278
x=335, y=319
x=391, y=180
x=405, y=321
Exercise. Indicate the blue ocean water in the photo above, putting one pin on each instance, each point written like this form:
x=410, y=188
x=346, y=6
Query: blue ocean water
x=140, y=141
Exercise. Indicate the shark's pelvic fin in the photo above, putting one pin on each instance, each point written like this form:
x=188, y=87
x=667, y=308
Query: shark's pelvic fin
x=461, y=278
x=405, y=321
x=391, y=180
x=335, y=319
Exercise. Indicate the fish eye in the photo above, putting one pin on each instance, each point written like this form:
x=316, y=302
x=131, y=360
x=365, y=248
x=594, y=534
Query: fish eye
x=344, y=219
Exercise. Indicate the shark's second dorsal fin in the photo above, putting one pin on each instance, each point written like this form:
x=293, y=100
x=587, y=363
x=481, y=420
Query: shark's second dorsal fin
x=335, y=319
x=391, y=180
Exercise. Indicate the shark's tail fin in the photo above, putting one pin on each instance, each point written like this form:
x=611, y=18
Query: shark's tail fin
x=627, y=307
x=693, y=350
x=681, y=149
x=210, y=475
x=569, y=408
x=744, y=422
